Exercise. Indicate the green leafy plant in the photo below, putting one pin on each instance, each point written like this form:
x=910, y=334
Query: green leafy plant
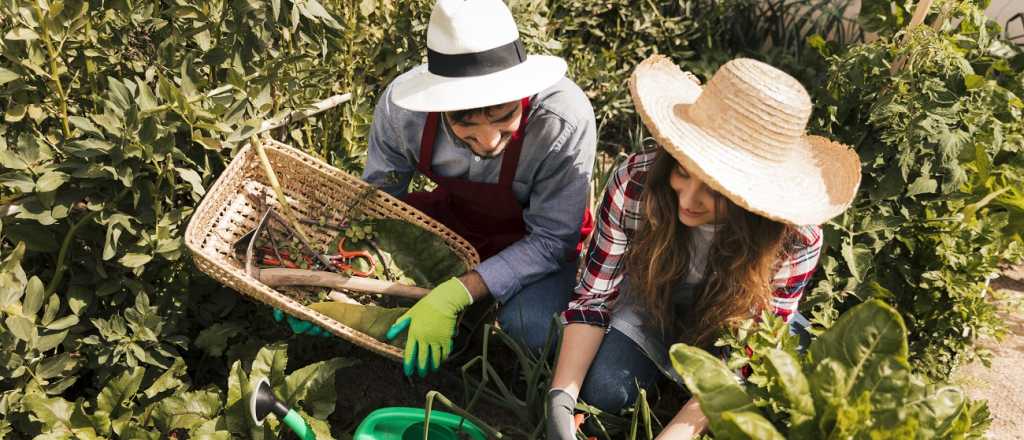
x=854, y=381
x=132, y=405
x=939, y=211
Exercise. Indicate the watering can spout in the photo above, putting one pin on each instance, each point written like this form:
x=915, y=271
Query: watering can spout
x=263, y=403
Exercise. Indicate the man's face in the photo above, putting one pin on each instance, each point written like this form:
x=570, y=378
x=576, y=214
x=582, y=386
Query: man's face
x=488, y=132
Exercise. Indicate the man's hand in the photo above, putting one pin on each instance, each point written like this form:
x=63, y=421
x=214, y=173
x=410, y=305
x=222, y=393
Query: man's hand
x=431, y=325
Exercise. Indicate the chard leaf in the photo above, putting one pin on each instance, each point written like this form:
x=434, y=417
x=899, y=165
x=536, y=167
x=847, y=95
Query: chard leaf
x=270, y=363
x=411, y=254
x=313, y=386
x=747, y=425
x=371, y=320
x=713, y=384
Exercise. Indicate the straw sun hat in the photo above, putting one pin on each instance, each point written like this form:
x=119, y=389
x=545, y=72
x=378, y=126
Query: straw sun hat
x=474, y=59
x=744, y=136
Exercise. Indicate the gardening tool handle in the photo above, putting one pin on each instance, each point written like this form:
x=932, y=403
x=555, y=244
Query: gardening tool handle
x=274, y=277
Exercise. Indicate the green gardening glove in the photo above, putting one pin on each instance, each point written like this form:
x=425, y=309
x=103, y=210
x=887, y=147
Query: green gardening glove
x=431, y=324
x=299, y=326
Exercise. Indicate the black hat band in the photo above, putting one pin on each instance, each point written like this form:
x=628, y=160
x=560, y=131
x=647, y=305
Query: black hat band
x=476, y=64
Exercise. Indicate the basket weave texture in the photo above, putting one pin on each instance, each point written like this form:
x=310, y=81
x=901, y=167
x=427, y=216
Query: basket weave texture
x=313, y=189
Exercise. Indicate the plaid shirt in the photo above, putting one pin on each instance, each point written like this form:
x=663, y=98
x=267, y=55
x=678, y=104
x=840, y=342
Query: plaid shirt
x=618, y=217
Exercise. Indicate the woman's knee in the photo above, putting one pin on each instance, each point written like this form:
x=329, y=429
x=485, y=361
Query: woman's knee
x=617, y=374
x=609, y=391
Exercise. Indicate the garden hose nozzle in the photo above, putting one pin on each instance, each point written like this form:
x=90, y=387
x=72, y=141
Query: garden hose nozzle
x=263, y=403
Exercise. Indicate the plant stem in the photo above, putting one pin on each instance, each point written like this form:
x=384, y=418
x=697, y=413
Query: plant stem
x=191, y=100
x=491, y=432
x=58, y=275
x=54, y=73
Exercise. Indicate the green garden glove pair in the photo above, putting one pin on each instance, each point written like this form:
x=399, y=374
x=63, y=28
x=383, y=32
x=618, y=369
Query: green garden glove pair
x=431, y=325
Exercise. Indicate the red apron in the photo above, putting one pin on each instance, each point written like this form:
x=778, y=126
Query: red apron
x=488, y=215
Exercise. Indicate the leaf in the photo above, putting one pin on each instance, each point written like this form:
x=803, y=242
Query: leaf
x=21, y=33
x=922, y=185
x=110, y=243
x=859, y=259
x=50, y=311
x=747, y=424
x=51, y=341
x=119, y=94
x=193, y=178
x=53, y=366
x=15, y=113
x=187, y=410
x=147, y=100
x=210, y=430
x=37, y=238
x=12, y=276
x=63, y=323
x=410, y=253
x=118, y=392
x=60, y=417
x=366, y=7
x=7, y=76
x=270, y=363
x=169, y=380
x=973, y=81
x=860, y=340
x=85, y=125
x=20, y=182
x=786, y=372
x=214, y=339
x=371, y=320
x=51, y=181
x=711, y=382
x=133, y=260
x=314, y=386
x=34, y=293
x=22, y=328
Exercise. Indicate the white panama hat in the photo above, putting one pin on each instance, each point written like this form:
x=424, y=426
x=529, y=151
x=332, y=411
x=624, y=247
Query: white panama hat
x=744, y=135
x=474, y=59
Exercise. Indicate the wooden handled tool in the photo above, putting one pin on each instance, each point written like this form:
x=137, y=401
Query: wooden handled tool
x=275, y=277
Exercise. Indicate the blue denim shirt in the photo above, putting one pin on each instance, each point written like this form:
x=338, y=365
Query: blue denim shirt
x=552, y=180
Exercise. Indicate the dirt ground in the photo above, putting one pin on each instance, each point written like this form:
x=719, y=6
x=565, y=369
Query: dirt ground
x=1002, y=384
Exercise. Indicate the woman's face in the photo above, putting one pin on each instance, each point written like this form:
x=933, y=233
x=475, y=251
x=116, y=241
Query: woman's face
x=695, y=199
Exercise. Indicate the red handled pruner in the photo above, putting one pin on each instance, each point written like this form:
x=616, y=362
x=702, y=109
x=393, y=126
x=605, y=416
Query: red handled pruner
x=343, y=260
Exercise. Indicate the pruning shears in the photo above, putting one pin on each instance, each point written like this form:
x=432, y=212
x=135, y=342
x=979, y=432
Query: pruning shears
x=343, y=260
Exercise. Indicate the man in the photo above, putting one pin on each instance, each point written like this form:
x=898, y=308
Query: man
x=510, y=143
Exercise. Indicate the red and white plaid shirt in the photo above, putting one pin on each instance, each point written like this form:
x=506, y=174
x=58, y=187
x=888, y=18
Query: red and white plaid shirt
x=618, y=217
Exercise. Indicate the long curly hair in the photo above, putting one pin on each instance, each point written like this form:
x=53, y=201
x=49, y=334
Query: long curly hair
x=740, y=263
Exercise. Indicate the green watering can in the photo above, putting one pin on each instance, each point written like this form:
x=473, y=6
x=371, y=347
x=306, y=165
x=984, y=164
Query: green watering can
x=396, y=423
x=400, y=423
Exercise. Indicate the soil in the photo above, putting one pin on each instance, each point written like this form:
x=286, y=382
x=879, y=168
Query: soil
x=1002, y=384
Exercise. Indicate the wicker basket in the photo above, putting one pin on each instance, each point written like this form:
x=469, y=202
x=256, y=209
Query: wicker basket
x=228, y=212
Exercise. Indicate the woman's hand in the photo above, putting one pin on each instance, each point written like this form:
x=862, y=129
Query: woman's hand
x=560, y=415
x=687, y=424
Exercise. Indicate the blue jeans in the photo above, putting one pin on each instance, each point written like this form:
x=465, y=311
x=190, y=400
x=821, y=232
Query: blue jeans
x=621, y=368
x=527, y=315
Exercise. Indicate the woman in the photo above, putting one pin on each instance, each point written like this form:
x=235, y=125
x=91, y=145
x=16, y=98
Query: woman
x=702, y=233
